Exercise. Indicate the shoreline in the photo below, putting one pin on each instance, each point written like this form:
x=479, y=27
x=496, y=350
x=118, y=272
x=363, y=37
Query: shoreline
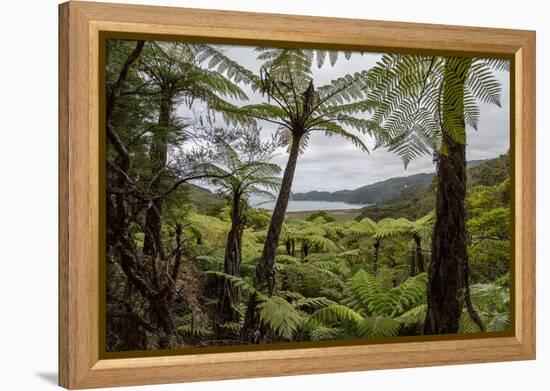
x=338, y=214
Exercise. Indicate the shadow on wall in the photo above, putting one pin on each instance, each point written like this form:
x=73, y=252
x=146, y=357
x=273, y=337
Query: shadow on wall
x=48, y=377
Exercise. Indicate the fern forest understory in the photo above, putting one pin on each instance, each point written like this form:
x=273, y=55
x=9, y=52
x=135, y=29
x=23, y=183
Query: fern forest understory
x=192, y=261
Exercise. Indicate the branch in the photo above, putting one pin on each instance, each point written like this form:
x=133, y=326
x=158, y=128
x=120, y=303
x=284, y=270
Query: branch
x=112, y=98
x=177, y=263
x=134, y=318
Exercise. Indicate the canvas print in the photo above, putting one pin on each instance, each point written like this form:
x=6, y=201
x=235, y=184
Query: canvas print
x=286, y=195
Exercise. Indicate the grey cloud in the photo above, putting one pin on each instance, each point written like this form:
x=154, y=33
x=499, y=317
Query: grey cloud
x=332, y=163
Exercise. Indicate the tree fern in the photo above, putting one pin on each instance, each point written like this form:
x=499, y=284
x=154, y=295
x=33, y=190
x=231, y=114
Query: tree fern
x=364, y=294
x=378, y=327
x=322, y=243
x=362, y=288
x=231, y=326
x=335, y=267
x=280, y=316
x=499, y=322
x=237, y=281
x=415, y=316
x=467, y=325
x=408, y=90
x=194, y=331
x=312, y=303
x=335, y=313
x=325, y=333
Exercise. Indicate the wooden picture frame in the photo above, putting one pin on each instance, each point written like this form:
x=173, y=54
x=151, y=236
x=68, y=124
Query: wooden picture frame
x=80, y=27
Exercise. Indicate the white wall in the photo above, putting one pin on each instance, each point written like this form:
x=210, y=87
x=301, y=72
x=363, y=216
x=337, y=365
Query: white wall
x=28, y=191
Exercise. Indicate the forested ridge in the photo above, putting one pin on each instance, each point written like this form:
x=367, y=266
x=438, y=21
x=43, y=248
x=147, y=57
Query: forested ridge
x=373, y=193
x=415, y=202
x=384, y=191
x=189, y=269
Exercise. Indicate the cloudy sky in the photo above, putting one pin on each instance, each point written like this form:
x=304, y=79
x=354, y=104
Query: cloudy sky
x=332, y=163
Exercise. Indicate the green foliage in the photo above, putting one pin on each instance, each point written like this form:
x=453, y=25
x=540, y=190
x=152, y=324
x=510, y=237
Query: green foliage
x=413, y=317
x=378, y=327
x=324, y=333
x=326, y=217
x=362, y=289
x=237, y=281
x=366, y=295
x=196, y=332
x=493, y=224
x=280, y=316
x=298, y=107
x=491, y=172
x=337, y=313
x=420, y=96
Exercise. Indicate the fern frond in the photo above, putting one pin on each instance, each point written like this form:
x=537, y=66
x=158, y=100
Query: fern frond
x=280, y=316
x=414, y=316
x=364, y=288
x=324, y=333
x=313, y=303
x=378, y=327
x=322, y=243
x=236, y=281
x=337, y=313
x=499, y=322
x=194, y=331
x=467, y=325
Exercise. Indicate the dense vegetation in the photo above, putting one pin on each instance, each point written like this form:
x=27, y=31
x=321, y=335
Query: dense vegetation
x=186, y=268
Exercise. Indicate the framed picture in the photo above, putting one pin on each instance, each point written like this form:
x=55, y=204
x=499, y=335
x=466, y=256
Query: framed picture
x=247, y=195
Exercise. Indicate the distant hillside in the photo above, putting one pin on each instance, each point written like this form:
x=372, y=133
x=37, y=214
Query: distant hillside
x=205, y=200
x=413, y=205
x=400, y=187
x=392, y=196
x=371, y=194
x=491, y=172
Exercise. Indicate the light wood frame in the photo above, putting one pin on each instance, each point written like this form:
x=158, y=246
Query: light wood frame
x=80, y=24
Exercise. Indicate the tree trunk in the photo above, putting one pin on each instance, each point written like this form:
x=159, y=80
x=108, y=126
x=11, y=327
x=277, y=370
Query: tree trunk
x=152, y=244
x=412, y=264
x=376, y=254
x=305, y=249
x=229, y=295
x=286, y=282
x=265, y=270
x=449, y=258
x=419, y=258
x=288, y=247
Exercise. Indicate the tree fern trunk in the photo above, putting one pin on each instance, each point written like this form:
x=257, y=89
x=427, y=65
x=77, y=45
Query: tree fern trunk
x=446, y=277
x=412, y=263
x=158, y=155
x=305, y=249
x=419, y=258
x=229, y=294
x=265, y=270
x=288, y=247
x=376, y=254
